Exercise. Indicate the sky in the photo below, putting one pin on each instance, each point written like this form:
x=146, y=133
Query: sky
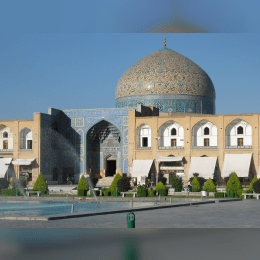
x=70, y=55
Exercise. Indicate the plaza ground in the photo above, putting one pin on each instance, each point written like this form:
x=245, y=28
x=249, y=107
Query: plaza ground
x=233, y=214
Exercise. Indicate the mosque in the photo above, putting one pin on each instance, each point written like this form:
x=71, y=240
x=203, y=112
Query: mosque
x=164, y=122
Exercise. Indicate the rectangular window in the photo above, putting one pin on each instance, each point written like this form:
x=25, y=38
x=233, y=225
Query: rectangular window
x=206, y=141
x=29, y=144
x=110, y=142
x=145, y=142
x=5, y=144
x=173, y=142
x=240, y=142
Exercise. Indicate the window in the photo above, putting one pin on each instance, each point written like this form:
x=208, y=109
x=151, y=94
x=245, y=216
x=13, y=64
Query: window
x=110, y=142
x=173, y=131
x=240, y=130
x=145, y=141
x=206, y=142
x=173, y=142
x=5, y=135
x=5, y=144
x=29, y=144
x=240, y=142
x=206, y=131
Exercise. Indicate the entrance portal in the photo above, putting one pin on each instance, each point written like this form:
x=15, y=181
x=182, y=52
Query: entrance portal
x=111, y=168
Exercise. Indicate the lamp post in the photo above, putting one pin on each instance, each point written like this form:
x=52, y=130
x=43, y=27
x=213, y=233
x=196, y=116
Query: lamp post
x=157, y=163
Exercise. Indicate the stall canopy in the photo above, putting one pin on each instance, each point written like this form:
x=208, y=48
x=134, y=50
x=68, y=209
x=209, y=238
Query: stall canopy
x=238, y=163
x=204, y=166
x=4, y=164
x=22, y=161
x=169, y=159
x=141, y=168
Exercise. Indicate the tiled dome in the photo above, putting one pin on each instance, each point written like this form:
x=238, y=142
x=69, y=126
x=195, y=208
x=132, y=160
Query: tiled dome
x=165, y=72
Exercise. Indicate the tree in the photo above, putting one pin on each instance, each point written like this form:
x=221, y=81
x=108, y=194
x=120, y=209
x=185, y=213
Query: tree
x=113, y=185
x=82, y=185
x=234, y=186
x=251, y=184
x=40, y=184
x=195, y=184
x=123, y=184
x=209, y=186
x=160, y=187
x=176, y=182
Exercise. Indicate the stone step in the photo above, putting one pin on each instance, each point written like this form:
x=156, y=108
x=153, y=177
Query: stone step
x=105, y=182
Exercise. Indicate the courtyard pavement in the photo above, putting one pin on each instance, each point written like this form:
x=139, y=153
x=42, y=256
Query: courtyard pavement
x=235, y=214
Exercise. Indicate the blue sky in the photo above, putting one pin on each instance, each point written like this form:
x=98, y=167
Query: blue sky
x=70, y=54
x=78, y=71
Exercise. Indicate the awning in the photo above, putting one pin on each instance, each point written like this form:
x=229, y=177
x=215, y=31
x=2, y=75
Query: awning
x=204, y=166
x=238, y=163
x=169, y=159
x=4, y=164
x=141, y=168
x=22, y=161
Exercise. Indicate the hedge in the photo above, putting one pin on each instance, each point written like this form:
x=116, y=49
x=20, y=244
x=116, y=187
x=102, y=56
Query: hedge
x=151, y=193
x=82, y=193
x=106, y=192
x=176, y=183
x=218, y=195
x=161, y=189
x=141, y=191
x=195, y=184
x=82, y=185
x=8, y=192
x=113, y=185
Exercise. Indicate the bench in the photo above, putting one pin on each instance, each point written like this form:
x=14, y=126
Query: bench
x=250, y=194
x=38, y=193
x=128, y=192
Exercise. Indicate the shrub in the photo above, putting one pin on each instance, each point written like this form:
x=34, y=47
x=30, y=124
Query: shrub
x=151, y=193
x=123, y=184
x=113, y=185
x=234, y=186
x=129, y=195
x=82, y=193
x=82, y=185
x=195, y=184
x=218, y=195
x=200, y=179
x=161, y=189
x=210, y=186
x=141, y=191
x=4, y=184
x=40, y=184
x=8, y=192
x=256, y=186
x=105, y=192
x=251, y=184
x=176, y=182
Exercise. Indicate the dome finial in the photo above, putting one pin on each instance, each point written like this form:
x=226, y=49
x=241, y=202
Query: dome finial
x=164, y=40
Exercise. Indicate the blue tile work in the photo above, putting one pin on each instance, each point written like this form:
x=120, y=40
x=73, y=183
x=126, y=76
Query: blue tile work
x=79, y=122
x=80, y=166
x=125, y=148
x=125, y=169
x=171, y=103
x=83, y=119
x=125, y=136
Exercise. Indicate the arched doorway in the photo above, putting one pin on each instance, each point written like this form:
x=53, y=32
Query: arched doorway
x=103, y=149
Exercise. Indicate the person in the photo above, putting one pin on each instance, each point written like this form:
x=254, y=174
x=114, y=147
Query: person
x=68, y=180
x=72, y=180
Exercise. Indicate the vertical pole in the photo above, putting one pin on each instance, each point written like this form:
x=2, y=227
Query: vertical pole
x=131, y=203
x=170, y=200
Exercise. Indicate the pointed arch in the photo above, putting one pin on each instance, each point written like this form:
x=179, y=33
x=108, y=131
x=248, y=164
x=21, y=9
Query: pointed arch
x=171, y=134
x=239, y=133
x=204, y=133
x=26, y=138
x=144, y=133
x=6, y=137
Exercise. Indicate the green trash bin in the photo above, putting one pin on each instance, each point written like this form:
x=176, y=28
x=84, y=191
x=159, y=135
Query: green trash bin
x=130, y=219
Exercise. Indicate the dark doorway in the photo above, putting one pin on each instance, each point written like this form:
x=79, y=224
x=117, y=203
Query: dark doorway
x=111, y=168
x=68, y=172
